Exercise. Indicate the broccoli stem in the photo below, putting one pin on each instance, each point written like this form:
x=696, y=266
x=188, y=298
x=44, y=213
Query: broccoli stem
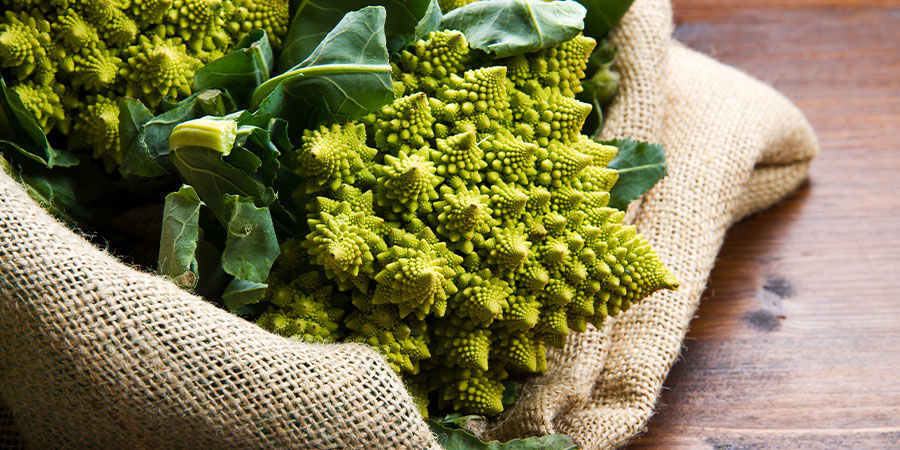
x=208, y=132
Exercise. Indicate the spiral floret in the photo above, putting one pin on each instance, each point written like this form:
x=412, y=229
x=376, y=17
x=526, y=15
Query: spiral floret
x=332, y=156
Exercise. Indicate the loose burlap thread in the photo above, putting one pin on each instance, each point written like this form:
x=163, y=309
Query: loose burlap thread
x=97, y=354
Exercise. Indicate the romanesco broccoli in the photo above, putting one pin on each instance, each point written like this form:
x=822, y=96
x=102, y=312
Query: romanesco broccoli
x=468, y=220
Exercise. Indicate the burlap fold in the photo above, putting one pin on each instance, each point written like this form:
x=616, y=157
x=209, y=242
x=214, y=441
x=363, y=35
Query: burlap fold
x=97, y=354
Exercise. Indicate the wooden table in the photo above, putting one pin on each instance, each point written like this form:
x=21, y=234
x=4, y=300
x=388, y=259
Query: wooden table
x=797, y=339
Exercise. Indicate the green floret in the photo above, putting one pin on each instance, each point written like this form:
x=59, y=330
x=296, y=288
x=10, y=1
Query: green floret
x=42, y=101
x=507, y=249
x=84, y=50
x=560, y=164
x=99, y=127
x=489, y=212
x=459, y=155
x=449, y=5
x=522, y=311
x=461, y=212
x=519, y=351
x=344, y=243
x=331, y=156
x=476, y=100
x=507, y=201
x=150, y=12
x=406, y=184
x=428, y=64
x=270, y=15
x=403, y=344
x=417, y=277
x=95, y=69
x=472, y=390
x=481, y=296
x=301, y=312
x=159, y=68
x=509, y=158
x=461, y=344
x=404, y=125
x=74, y=32
x=24, y=42
x=197, y=22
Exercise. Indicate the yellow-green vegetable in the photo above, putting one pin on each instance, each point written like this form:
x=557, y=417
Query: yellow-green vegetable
x=468, y=221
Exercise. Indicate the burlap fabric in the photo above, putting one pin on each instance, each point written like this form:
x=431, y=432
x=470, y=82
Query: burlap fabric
x=97, y=354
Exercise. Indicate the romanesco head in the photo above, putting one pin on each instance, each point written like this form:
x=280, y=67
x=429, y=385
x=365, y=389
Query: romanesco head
x=490, y=212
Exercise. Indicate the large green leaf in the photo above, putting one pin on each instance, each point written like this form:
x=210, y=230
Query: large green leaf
x=178, y=240
x=640, y=166
x=240, y=71
x=18, y=127
x=345, y=77
x=504, y=28
x=250, y=246
x=603, y=15
x=313, y=19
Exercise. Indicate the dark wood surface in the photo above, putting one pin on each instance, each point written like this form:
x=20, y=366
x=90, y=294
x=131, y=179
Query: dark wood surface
x=797, y=340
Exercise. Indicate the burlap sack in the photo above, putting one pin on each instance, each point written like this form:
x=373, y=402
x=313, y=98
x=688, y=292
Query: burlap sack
x=96, y=354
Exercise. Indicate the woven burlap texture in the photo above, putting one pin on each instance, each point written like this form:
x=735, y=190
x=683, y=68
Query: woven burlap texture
x=97, y=354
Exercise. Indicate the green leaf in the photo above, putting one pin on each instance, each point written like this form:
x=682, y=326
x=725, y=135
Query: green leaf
x=179, y=237
x=240, y=293
x=213, y=178
x=504, y=28
x=313, y=20
x=136, y=158
x=19, y=127
x=459, y=439
x=431, y=21
x=278, y=134
x=258, y=141
x=240, y=71
x=250, y=246
x=346, y=76
x=603, y=15
x=640, y=166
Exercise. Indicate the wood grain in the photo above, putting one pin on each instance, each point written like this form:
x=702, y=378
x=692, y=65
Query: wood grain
x=797, y=339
